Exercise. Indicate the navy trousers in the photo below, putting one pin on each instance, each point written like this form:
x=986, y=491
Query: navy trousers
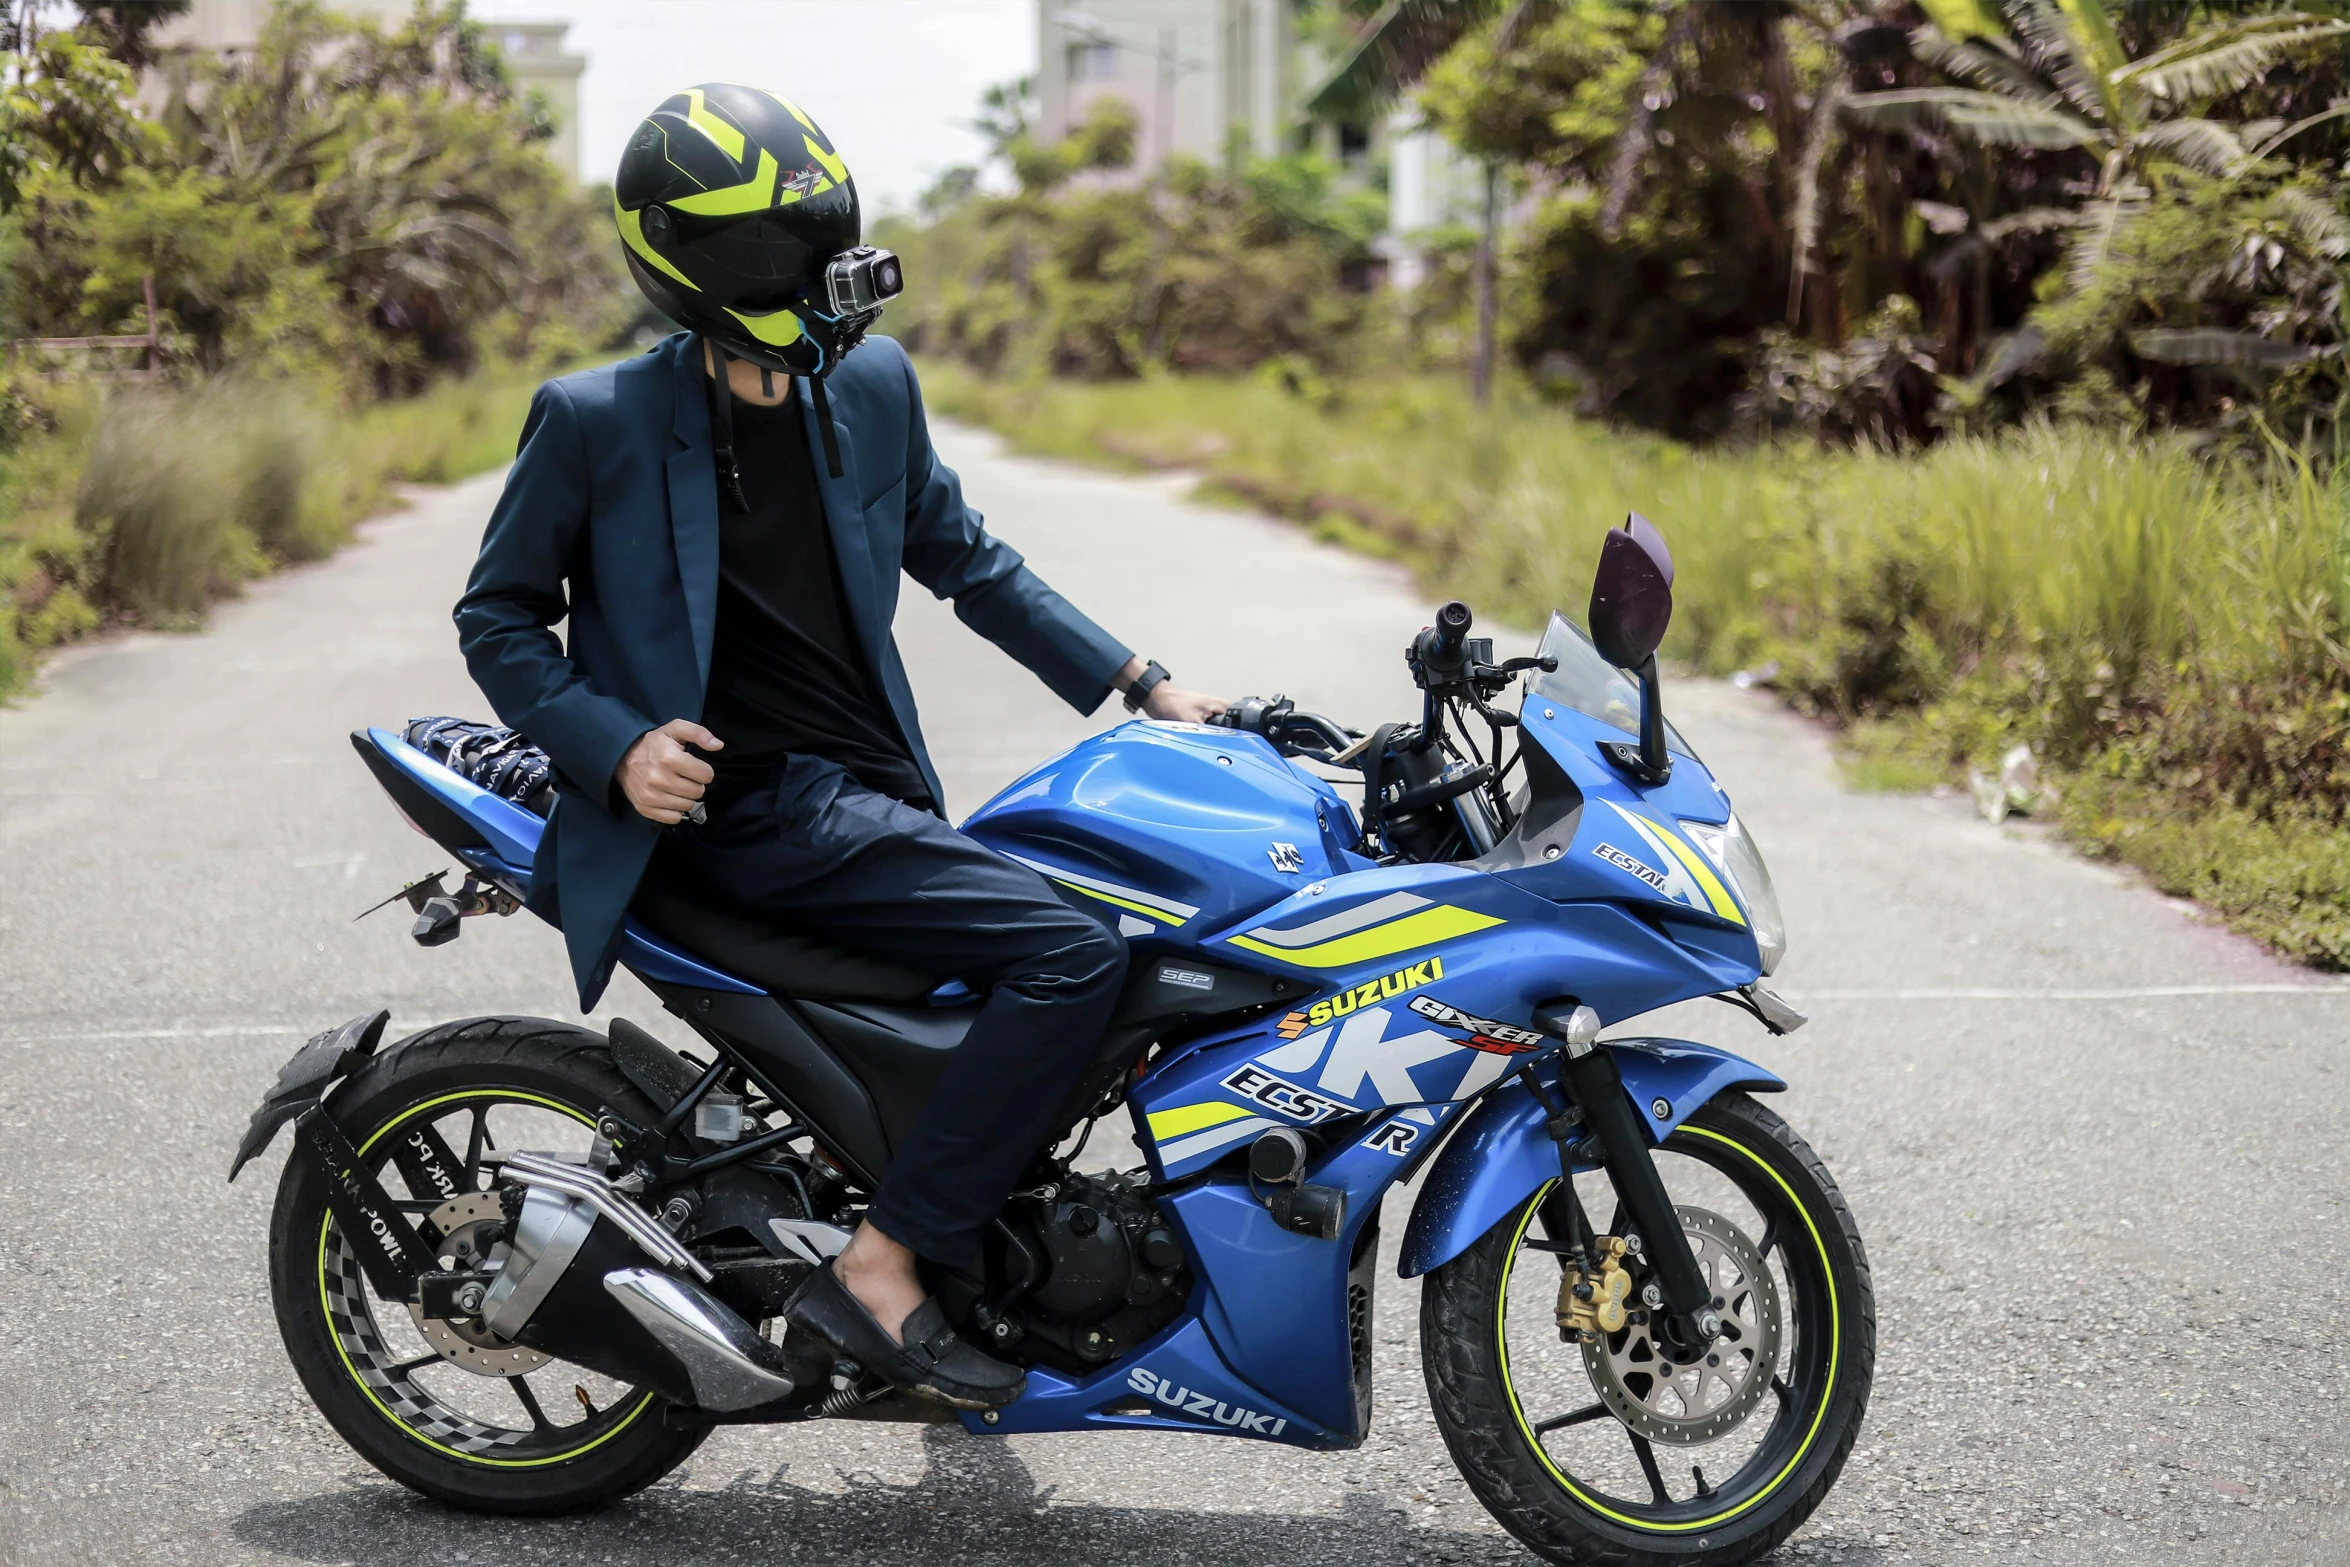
x=817, y=850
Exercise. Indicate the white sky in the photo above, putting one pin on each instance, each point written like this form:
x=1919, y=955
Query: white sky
x=891, y=81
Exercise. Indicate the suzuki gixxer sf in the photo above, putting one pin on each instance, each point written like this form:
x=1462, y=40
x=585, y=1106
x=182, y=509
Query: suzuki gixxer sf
x=525, y=1267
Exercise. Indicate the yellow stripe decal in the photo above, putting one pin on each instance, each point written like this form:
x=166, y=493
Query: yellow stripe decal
x=1424, y=929
x=834, y=164
x=1724, y=905
x=722, y=135
x=1827, y=1390
x=326, y=1223
x=777, y=328
x=1193, y=1118
x=792, y=109
x=632, y=234
x=755, y=194
x=1160, y=915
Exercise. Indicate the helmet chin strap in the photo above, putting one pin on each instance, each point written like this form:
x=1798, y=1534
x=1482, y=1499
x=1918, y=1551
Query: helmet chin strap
x=722, y=427
x=824, y=425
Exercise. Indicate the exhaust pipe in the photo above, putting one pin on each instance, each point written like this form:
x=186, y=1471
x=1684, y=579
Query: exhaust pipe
x=727, y=1364
x=574, y=1286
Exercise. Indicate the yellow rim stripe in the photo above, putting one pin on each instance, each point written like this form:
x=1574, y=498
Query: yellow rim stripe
x=1423, y=929
x=722, y=135
x=1165, y=1124
x=326, y=1307
x=1827, y=1392
x=1724, y=905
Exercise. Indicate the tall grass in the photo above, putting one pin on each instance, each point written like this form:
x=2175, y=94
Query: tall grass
x=2168, y=631
x=144, y=505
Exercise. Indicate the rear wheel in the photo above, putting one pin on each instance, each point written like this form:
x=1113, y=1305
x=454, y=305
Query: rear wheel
x=467, y=1419
x=1612, y=1450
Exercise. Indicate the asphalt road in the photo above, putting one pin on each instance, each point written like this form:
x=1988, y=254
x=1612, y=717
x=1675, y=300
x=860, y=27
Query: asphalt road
x=2096, y=1147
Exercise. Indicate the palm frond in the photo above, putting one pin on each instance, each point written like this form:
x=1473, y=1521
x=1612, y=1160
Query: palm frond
x=2101, y=225
x=1964, y=18
x=2317, y=223
x=1988, y=63
x=2226, y=66
x=2098, y=46
x=2206, y=146
x=1818, y=137
x=1394, y=49
x=2056, y=50
x=2032, y=220
x=2210, y=345
x=1984, y=117
x=2263, y=149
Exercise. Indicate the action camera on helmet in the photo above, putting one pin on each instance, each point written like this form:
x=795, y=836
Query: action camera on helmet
x=859, y=280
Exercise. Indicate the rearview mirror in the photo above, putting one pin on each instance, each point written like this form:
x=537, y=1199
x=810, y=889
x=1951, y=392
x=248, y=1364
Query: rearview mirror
x=1631, y=594
x=1631, y=605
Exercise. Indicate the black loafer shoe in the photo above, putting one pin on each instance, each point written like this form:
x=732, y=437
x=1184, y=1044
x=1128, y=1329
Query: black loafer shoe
x=932, y=1362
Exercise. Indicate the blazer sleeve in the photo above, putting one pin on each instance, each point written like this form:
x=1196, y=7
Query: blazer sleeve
x=516, y=596
x=949, y=551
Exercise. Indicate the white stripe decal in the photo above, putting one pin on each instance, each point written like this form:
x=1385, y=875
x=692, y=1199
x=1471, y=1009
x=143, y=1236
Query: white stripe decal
x=1150, y=900
x=1174, y=1153
x=1340, y=924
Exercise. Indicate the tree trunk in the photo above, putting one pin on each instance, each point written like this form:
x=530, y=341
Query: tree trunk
x=1481, y=365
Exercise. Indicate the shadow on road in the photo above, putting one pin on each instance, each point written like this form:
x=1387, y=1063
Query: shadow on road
x=976, y=1501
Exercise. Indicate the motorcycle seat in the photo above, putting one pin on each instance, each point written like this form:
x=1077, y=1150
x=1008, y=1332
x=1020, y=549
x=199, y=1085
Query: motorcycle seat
x=784, y=961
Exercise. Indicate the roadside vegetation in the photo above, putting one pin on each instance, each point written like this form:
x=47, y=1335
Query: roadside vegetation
x=361, y=261
x=1984, y=365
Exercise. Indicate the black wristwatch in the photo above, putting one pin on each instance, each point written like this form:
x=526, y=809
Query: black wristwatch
x=1151, y=678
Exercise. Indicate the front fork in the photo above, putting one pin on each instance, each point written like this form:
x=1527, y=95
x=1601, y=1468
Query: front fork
x=1599, y=1104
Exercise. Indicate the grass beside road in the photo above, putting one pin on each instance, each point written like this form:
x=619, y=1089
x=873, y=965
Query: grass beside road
x=2168, y=632
x=142, y=507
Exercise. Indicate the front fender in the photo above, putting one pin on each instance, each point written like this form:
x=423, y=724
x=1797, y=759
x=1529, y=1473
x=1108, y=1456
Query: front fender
x=1502, y=1155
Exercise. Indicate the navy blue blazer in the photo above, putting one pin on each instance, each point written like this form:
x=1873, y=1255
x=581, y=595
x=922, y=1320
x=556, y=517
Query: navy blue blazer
x=610, y=518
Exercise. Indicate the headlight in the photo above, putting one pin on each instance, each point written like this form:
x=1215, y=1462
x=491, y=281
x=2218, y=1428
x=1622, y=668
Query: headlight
x=1732, y=850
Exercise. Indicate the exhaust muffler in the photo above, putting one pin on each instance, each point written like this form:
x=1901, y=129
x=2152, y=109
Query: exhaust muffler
x=574, y=1286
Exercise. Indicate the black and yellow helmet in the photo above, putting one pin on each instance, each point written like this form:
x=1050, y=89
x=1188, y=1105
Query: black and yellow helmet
x=740, y=222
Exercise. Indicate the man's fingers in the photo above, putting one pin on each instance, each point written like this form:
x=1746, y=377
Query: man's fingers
x=686, y=732
x=687, y=766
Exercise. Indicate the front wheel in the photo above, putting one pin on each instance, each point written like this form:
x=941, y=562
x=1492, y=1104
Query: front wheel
x=1613, y=1450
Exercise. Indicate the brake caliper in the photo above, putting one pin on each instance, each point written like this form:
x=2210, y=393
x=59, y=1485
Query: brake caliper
x=1599, y=1306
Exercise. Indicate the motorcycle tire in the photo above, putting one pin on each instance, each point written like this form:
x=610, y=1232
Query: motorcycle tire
x=334, y=1329
x=1823, y=1351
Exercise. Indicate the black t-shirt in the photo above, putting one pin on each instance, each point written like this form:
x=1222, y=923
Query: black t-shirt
x=785, y=674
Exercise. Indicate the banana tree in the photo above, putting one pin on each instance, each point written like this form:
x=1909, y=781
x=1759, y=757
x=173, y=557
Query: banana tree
x=2056, y=79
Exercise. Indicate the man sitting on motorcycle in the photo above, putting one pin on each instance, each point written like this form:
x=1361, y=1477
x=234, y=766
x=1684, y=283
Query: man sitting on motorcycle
x=723, y=521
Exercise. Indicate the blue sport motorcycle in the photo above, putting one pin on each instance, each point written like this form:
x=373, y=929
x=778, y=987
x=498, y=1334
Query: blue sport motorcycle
x=525, y=1267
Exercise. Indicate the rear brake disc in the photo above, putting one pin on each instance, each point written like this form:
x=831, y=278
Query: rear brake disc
x=466, y=1342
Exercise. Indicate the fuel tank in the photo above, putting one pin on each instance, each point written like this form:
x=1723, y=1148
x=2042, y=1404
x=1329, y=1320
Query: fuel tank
x=1175, y=830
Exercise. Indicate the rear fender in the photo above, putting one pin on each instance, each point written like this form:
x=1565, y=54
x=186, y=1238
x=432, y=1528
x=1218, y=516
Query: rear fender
x=302, y=1081
x=1502, y=1154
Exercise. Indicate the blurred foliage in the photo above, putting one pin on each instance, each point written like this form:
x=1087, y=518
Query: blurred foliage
x=341, y=227
x=368, y=204
x=1081, y=273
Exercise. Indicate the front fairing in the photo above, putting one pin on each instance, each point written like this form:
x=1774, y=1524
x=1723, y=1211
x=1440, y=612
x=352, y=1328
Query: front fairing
x=1589, y=831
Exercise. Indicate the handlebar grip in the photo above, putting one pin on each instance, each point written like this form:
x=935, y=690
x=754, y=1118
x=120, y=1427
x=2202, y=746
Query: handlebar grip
x=1452, y=629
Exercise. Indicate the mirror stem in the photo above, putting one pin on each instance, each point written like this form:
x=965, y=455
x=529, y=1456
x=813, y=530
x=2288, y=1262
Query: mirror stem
x=1648, y=761
x=1652, y=722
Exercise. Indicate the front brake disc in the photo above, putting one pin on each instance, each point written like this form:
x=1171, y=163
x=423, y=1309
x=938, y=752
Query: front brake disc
x=1684, y=1403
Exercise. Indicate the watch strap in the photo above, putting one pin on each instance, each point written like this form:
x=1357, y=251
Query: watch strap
x=1150, y=679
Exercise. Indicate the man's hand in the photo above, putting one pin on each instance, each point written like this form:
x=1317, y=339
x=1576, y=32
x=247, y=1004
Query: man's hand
x=1169, y=700
x=663, y=779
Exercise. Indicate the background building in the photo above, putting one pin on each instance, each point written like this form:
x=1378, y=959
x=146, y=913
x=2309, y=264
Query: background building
x=1199, y=73
x=533, y=52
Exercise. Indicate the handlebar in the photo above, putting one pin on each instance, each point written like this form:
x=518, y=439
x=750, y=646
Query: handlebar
x=1277, y=719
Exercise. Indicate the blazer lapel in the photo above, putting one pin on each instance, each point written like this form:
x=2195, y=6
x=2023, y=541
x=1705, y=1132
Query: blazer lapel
x=693, y=504
x=846, y=517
